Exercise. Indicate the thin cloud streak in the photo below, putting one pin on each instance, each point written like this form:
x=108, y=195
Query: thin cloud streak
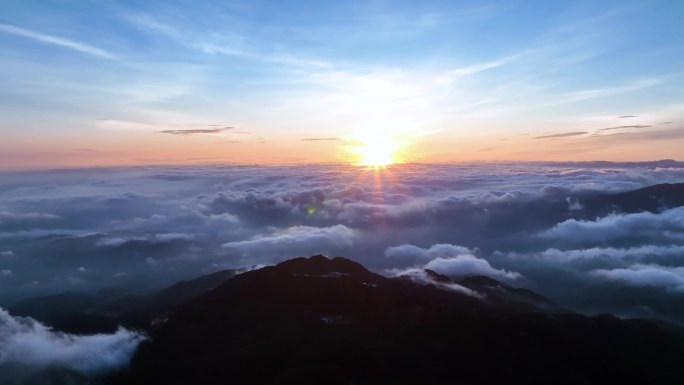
x=471, y=70
x=455, y=74
x=238, y=47
x=56, y=40
x=196, y=131
x=578, y=96
x=319, y=139
x=621, y=127
x=563, y=135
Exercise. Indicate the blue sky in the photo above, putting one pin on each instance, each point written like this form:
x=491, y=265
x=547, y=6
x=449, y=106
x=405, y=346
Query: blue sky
x=452, y=80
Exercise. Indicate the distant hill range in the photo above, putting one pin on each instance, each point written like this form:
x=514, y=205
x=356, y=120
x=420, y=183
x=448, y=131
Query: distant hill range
x=103, y=311
x=653, y=199
x=330, y=321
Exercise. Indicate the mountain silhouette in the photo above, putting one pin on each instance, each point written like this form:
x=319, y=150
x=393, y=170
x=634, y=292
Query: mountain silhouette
x=653, y=198
x=331, y=321
x=104, y=311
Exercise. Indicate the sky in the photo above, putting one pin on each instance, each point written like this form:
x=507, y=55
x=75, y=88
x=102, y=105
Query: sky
x=265, y=82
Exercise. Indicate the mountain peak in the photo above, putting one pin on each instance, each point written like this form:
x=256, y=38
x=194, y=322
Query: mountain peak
x=319, y=320
x=321, y=265
x=480, y=281
x=435, y=276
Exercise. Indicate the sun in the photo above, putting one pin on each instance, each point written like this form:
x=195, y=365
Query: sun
x=376, y=149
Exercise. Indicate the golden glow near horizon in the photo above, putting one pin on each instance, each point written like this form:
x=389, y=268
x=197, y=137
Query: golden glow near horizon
x=376, y=149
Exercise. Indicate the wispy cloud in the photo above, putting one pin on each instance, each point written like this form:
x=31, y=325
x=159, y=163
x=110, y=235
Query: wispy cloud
x=473, y=69
x=227, y=49
x=626, y=116
x=452, y=75
x=576, y=96
x=648, y=135
x=620, y=127
x=196, y=131
x=562, y=135
x=228, y=43
x=56, y=40
x=125, y=125
x=320, y=139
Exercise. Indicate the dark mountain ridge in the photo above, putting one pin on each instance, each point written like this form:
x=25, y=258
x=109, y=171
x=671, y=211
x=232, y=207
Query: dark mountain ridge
x=331, y=321
x=104, y=311
x=653, y=198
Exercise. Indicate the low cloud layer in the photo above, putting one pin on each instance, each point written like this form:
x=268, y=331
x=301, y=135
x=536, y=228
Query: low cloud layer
x=292, y=242
x=670, y=278
x=28, y=348
x=667, y=227
x=450, y=260
x=421, y=276
x=536, y=225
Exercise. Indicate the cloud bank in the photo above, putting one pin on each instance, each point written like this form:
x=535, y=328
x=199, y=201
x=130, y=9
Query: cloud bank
x=671, y=278
x=450, y=260
x=556, y=228
x=28, y=348
x=667, y=226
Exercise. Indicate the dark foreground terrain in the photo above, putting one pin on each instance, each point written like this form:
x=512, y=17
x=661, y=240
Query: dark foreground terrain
x=331, y=321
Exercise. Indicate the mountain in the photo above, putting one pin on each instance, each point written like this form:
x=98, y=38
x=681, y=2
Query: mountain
x=652, y=198
x=139, y=310
x=71, y=312
x=511, y=298
x=104, y=311
x=331, y=321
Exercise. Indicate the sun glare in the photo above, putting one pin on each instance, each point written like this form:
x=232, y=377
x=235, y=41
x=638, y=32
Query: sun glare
x=376, y=150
